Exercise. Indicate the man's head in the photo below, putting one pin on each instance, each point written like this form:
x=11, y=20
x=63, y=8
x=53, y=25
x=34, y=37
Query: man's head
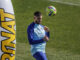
x=37, y=17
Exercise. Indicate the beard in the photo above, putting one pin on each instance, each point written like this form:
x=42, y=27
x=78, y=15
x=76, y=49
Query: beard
x=38, y=22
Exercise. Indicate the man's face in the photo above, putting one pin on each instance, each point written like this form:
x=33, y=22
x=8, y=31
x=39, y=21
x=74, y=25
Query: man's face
x=38, y=19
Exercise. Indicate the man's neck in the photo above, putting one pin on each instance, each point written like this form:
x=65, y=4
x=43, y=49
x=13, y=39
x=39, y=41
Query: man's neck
x=36, y=23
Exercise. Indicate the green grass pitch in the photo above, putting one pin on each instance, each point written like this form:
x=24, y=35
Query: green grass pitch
x=64, y=41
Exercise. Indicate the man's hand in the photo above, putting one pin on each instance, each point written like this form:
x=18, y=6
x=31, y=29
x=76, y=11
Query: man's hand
x=46, y=38
x=46, y=28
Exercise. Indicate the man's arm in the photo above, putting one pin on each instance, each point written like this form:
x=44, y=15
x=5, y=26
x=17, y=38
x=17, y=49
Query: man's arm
x=46, y=38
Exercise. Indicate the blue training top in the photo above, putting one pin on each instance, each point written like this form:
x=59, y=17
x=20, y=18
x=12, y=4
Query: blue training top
x=36, y=33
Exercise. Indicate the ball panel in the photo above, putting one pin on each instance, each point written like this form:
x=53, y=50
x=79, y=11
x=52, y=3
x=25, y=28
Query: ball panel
x=51, y=11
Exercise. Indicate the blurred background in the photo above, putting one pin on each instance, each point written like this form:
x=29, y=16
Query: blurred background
x=64, y=27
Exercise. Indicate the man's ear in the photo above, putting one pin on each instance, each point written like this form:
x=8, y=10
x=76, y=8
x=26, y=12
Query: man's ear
x=34, y=17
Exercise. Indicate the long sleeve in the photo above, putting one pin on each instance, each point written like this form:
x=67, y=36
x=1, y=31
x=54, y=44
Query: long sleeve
x=48, y=34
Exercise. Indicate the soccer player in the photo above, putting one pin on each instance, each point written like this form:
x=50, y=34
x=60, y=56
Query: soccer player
x=38, y=35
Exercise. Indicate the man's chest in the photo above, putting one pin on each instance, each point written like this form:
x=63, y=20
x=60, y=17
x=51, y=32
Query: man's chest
x=39, y=30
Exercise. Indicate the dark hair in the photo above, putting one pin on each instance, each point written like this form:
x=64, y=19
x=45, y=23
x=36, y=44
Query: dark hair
x=37, y=13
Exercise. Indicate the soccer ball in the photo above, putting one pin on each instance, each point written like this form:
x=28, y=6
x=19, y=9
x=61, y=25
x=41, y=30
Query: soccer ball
x=51, y=11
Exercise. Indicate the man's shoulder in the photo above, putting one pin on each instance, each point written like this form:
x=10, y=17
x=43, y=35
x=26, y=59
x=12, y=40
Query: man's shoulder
x=31, y=25
x=41, y=25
